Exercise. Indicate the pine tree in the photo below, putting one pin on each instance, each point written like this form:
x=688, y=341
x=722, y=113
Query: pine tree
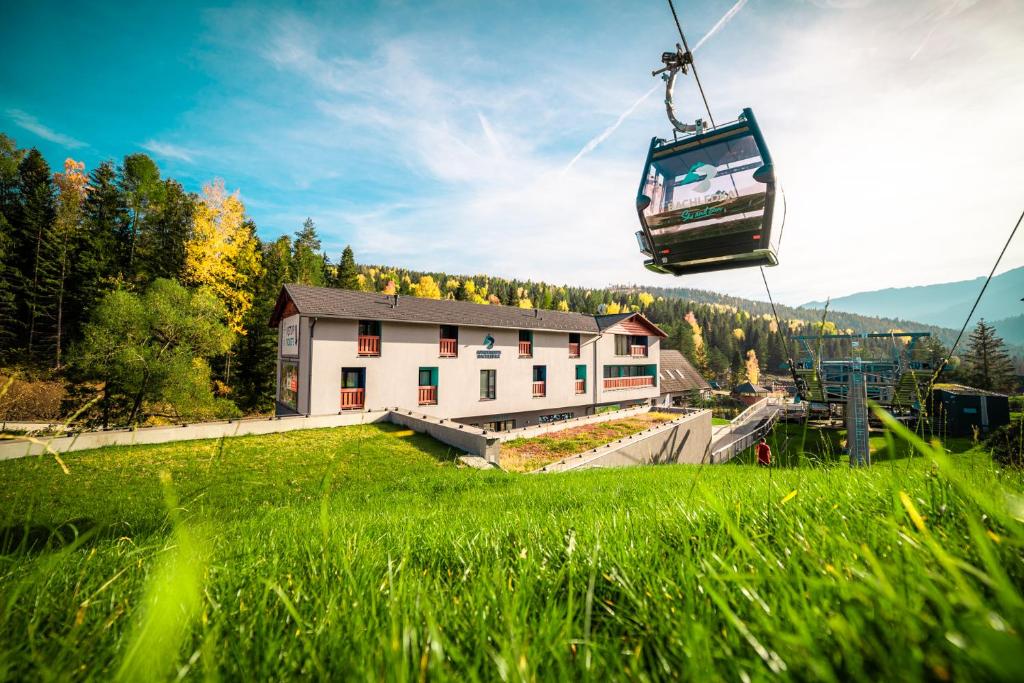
x=347, y=276
x=10, y=274
x=161, y=250
x=988, y=364
x=96, y=265
x=67, y=229
x=255, y=378
x=36, y=253
x=9, y=277
x=308, y=265
x=143, y=192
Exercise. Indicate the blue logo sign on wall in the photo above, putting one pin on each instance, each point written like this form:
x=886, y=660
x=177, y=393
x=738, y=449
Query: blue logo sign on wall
x=489, y=345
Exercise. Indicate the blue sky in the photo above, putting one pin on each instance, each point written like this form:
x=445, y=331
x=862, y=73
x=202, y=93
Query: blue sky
x=440, y=135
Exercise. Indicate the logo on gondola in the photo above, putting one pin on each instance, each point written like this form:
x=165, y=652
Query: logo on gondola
x=699, y=177
x=703, y=213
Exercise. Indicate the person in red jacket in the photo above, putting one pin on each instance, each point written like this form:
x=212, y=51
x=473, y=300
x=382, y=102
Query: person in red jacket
x=764, y=453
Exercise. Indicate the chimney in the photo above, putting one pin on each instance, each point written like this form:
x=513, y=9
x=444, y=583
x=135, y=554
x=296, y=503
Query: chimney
x=396, y=301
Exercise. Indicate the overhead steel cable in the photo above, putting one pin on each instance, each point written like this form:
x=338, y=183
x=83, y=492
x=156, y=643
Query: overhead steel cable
x=967, y=320
x=693, y=64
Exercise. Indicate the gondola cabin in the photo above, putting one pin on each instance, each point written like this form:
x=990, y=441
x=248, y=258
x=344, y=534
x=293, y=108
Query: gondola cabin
x=707, y=202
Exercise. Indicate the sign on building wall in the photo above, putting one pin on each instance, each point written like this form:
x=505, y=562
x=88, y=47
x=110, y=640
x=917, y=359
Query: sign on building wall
x=288, y=393
x=488, y=351
x=290, y=336
x=556, y=417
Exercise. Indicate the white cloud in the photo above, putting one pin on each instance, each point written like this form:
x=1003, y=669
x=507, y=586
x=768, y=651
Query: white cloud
x=897, y=171
x=168, y=150
x=33, y=125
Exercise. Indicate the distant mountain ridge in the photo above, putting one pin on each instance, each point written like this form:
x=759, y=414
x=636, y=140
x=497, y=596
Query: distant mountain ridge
x=843, y=319
x=943, y=304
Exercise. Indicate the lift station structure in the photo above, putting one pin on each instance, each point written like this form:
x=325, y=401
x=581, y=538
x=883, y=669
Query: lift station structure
x=885, y=373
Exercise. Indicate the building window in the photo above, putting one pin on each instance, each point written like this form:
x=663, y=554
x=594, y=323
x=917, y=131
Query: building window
x=428, y=386
x=581, y=379
x=525, y=343
x=622, y=345
x=353, y=388
x=369, y=338
x=499, y=425
x=540, y=381
x=574, y=345
x=449, y=341
x=289, y=389
x=488, y=385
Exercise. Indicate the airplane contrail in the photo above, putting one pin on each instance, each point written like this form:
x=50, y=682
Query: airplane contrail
x=726, y=18
x=607, y=132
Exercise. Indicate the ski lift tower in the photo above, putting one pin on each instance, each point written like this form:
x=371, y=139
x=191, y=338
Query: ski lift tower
x=885, y=373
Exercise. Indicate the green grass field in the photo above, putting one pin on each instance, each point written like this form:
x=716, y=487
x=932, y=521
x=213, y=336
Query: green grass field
x=366, y=553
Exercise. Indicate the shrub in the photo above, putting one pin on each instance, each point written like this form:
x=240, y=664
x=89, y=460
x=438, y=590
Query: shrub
x=1006, y=445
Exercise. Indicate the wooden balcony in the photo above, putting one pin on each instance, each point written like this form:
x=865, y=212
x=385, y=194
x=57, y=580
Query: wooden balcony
x=581, y=386
x=574, y=350
x=449, y=348
x=369, y=345
x=539, y=389
x=352, y=399
x=428, y=396
x=638, y=351
x=615, y=383
x=525, y=349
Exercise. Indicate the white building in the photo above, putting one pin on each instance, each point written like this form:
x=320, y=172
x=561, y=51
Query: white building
x=499, y=367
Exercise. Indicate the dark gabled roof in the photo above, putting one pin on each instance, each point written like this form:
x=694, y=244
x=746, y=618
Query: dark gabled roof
x=677, y=374
x=748, y=388
x=327, y=302
x=964, y=390
x=609, y=320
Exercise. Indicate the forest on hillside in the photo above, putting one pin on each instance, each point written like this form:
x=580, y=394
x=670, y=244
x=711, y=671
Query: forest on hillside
x=129, y=300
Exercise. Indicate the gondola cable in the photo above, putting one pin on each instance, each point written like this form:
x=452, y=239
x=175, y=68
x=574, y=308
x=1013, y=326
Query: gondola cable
x=967, y=320
x=686, y=47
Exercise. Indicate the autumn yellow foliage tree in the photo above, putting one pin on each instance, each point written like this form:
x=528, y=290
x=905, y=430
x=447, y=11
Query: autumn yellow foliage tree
x=426, y=288
x=222, y=252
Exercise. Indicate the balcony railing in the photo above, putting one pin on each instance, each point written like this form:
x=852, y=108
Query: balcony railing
x=581, y=386
x=612, y=383
x=449, y=348
x=428, y=396
x=525, y=348
x=352, y=399
x=539, y=389
x=638, y=351
x=574, y=350
x=369, y=345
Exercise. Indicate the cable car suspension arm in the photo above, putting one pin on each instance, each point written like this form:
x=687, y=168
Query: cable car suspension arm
x=676, y=62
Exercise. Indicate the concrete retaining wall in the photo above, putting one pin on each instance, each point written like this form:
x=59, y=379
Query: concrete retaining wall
x=465, y=438
x=19, y=448
x=686, y=439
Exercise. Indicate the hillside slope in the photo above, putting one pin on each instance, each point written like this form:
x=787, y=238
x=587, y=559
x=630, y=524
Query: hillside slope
x=943, y=304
